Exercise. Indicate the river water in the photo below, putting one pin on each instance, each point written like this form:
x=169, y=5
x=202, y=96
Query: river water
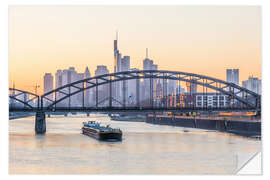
x=145, y=149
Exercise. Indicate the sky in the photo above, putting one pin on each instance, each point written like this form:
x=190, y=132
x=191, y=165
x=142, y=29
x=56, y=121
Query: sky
x=197, y=39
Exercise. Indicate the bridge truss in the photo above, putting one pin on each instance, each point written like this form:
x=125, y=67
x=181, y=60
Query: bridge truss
x=53, y=100
x=19, y=99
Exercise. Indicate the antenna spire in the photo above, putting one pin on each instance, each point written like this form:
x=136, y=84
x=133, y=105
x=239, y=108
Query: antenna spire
x=117, y=35
x=147, y=53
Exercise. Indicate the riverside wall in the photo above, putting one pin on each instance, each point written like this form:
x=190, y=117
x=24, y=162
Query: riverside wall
x=243, y=128
x=20, y=115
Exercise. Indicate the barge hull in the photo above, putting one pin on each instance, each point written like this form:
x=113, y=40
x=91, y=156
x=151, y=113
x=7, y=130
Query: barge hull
x=102, y=136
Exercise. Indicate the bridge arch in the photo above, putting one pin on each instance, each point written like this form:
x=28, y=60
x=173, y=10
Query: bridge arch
x=221, y=86
x=14, y=93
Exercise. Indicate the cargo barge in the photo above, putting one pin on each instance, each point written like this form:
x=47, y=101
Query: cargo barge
x=103, y=133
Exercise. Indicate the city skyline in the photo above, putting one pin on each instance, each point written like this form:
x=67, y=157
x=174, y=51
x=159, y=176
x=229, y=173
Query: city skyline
x=186, y=58
x=134, y=89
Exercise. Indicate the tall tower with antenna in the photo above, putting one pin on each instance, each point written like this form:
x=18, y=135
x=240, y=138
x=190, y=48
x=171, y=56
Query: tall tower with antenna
x=117, y=68
x=115, y=51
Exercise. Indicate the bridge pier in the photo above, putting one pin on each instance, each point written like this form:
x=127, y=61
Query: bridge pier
x=40, y=123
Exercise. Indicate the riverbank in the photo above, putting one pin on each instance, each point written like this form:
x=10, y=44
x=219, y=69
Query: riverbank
x=238, y=127
x=17, y=116
x=131, y=118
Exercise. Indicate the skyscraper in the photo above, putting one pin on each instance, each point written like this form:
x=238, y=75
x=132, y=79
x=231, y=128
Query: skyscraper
x=229, y=75
x=232, y=76
x=64, y=77
x=236, y=76
x=125, y=63
x=73, y=77
x=120, y=64
x=48, y=85
x=65, y=80
x=125, y=66
x=58, y=78
x=67, y=76
x=191, y=87
x=117, y=55
x=172, y=84
x=148, y=65
x=116, y=52
x=88, y=93
x=101, y=69
x=253, y=84
x=133, y=90
x=58, y=83
x=103, y=90
x=79, y=96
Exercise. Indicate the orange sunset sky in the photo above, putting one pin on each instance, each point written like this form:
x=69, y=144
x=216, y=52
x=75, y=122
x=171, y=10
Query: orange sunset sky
x=198, y=39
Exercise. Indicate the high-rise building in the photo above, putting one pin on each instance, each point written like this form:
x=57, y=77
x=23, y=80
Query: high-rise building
x=48, y=82
x=88, y=92
x=116, y=53
x=73, y=77
x=133, y=90
x=191, y=87
x=232, y=76
x=67, y=76
x=120, y=64
x=65, y=80
x=125, y=66
x=172, y=84
x=79, y=96
x=148, y=65
x=155, y=81
x=253, y=84
x=117, y=68
x=125, y=63
x=58, y=83
x=229, y=75
x=103, y=90
x=58, y=78
x=101, y=70
x=48, y=85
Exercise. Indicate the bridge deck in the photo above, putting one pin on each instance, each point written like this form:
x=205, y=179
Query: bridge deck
x=134, y=109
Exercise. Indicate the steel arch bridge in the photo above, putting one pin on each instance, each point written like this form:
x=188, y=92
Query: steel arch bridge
x=50, y=101
x=248, y=98
x=24, y=102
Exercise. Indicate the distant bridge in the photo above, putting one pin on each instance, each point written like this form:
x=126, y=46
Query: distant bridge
x=60, y=98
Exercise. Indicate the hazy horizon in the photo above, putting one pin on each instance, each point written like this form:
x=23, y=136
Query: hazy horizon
x=197, y=39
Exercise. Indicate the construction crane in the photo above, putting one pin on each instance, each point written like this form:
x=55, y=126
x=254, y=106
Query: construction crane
x=35, y=87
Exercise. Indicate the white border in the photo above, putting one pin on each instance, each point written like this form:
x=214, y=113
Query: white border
x=4, y=73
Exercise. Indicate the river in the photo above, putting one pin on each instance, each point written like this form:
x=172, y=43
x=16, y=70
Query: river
x=145, y=149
